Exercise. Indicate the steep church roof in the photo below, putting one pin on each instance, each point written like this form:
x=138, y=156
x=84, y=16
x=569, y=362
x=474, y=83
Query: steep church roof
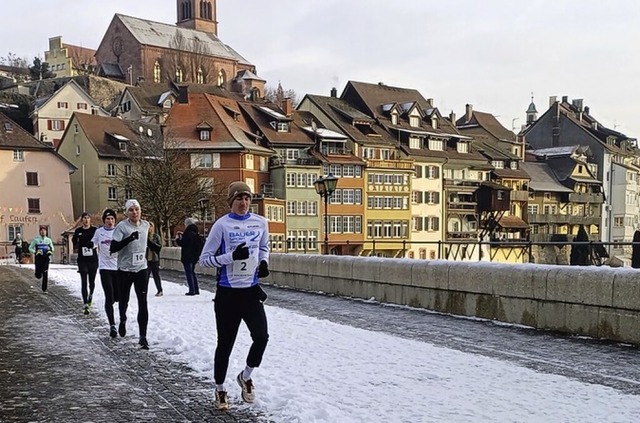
x=163, y=35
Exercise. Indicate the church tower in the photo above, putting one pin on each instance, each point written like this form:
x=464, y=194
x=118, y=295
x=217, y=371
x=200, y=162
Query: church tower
x=198, y=14
x=532, y=113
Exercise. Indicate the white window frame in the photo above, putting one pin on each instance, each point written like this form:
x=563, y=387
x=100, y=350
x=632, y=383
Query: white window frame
x=112, y=193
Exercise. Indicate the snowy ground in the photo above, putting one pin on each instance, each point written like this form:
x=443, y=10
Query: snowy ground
x=318, y=371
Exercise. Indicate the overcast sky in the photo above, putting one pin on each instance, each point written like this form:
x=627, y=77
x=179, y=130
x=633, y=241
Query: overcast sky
x=492, y=54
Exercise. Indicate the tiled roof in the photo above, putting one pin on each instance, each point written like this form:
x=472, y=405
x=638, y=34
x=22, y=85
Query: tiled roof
x=262, y=122
x=147, y=94
x=160, y=34
x=489, y=123
x=342, y=114
x=14, y=136
x=543, y=178
x=229, y=133
x=104, y=132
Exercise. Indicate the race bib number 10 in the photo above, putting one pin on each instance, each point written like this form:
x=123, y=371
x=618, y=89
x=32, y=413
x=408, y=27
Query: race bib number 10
x=138, y=258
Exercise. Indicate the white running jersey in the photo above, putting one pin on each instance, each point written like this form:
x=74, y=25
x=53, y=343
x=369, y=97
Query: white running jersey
x=102, y=240
x=226, y=234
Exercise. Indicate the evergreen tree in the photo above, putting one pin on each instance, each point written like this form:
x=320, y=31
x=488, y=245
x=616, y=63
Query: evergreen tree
x=40, y=70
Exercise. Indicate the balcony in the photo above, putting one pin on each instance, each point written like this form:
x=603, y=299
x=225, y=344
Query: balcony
x=307, y=161
x=460, y=183
x=519, y=196
x=461, y=206
x=575, y=197
x=462, y=236
x=562, y=219
x=391, y=164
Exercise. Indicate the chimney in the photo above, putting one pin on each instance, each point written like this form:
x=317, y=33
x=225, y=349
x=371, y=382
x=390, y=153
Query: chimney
x=183, y=94
x=287, y=106
x=468, y=112
x=430, y=102
x=334, y=92
x=552, y=100
x=586, y=110
x=577, y=103
x=565, y=99
x=452, y=117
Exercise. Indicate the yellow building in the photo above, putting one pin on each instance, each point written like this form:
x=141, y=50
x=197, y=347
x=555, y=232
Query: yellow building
x=69, y=60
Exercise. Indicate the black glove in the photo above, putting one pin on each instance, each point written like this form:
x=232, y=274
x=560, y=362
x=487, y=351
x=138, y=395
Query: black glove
x=263, y=269
x=90, y=244
x=49, y=252
x=133, y=236
x=241, y=252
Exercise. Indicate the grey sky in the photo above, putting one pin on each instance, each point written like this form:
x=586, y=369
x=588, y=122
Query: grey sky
x=491, y=54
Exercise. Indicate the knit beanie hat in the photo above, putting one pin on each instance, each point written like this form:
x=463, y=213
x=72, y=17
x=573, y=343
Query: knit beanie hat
x=238, y=188
x=107, y=213
x=130, y=203
x=189, y=221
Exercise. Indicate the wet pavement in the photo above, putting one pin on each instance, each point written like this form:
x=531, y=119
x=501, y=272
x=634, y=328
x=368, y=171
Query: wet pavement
x=57, y=365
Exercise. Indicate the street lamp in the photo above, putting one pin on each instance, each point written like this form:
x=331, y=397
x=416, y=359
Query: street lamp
x=204, y=205
x=325, y=188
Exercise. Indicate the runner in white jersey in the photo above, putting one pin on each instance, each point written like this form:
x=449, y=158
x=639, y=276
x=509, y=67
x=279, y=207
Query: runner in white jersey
x=108, y=266
x=130, y=242
x=238, y=245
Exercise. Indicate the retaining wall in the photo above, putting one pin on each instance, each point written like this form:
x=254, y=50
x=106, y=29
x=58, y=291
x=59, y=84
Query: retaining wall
x=601, y=302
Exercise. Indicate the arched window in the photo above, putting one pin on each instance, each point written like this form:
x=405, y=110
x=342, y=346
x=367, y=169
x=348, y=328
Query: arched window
x=157, y=72
x=200, y=76
x=186, y=10
x=205, y=10
x=221, y=78
x=179, y=74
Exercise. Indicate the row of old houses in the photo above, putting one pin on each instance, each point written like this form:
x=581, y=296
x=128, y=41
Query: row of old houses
x=413, y=182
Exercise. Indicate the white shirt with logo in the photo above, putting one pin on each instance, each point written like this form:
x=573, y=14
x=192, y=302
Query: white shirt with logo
x=102, y=239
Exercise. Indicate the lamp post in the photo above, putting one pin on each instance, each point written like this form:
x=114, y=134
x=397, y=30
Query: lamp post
x=325, y=186
x=204, y=205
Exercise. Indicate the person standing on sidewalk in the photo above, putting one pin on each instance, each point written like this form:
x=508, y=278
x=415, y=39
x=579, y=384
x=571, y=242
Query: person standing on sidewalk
x=17, y=241
x=130, y=242
x=87, y=259
x=191, y=246
x=238, y=246
x=108, y=266
x=42, y=249
x=153, y=258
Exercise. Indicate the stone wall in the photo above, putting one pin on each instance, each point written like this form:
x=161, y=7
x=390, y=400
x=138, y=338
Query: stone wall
x=601, y=302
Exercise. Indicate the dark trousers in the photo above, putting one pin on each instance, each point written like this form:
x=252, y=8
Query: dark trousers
x=232, y=306
x=140, y=282
x=153, y=268
x=109, y=279
x=42, y=269
x=88, y=270
x=192, y=279
x=18, y=255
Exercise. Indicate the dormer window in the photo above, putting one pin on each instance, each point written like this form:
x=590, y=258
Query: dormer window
x=394, y=118
x=205, y=135
x=462, y=147
x=498, y=164
x=436, y=145
x=434, y=122
x=414, y=121
x=514, y=165
x=8, y=127
x=204, y=130
x=283, y=127
x=414, y=142
x=122, y=145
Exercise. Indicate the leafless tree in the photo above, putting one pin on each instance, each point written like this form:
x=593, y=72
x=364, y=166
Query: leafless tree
x=276, y=95
x=82, y=61
x=166, y=184
x=192, y=57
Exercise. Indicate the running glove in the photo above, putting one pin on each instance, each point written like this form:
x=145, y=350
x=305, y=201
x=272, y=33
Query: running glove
x=263, y=269
x=241, y=252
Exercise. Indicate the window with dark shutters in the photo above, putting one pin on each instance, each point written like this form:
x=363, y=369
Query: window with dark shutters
x=32, y=178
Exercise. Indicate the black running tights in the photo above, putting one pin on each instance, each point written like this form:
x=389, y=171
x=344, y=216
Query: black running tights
x=140, y=282
x=109, y=279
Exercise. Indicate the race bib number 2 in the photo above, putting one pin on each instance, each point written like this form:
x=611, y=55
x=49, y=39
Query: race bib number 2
x=245, y=267
x=137, y=259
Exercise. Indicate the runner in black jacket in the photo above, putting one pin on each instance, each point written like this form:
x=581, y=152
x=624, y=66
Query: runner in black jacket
x=87, y=259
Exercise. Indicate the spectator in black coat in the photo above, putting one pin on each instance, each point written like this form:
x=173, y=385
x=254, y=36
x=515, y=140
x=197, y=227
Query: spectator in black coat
x=191, y=243
x=635, y=251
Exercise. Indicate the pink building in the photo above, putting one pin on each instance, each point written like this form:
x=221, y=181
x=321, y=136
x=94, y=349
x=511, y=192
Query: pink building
x=35, y=188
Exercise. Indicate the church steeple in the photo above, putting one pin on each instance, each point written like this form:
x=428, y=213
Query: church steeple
x=532, y=113
x=198, y=14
